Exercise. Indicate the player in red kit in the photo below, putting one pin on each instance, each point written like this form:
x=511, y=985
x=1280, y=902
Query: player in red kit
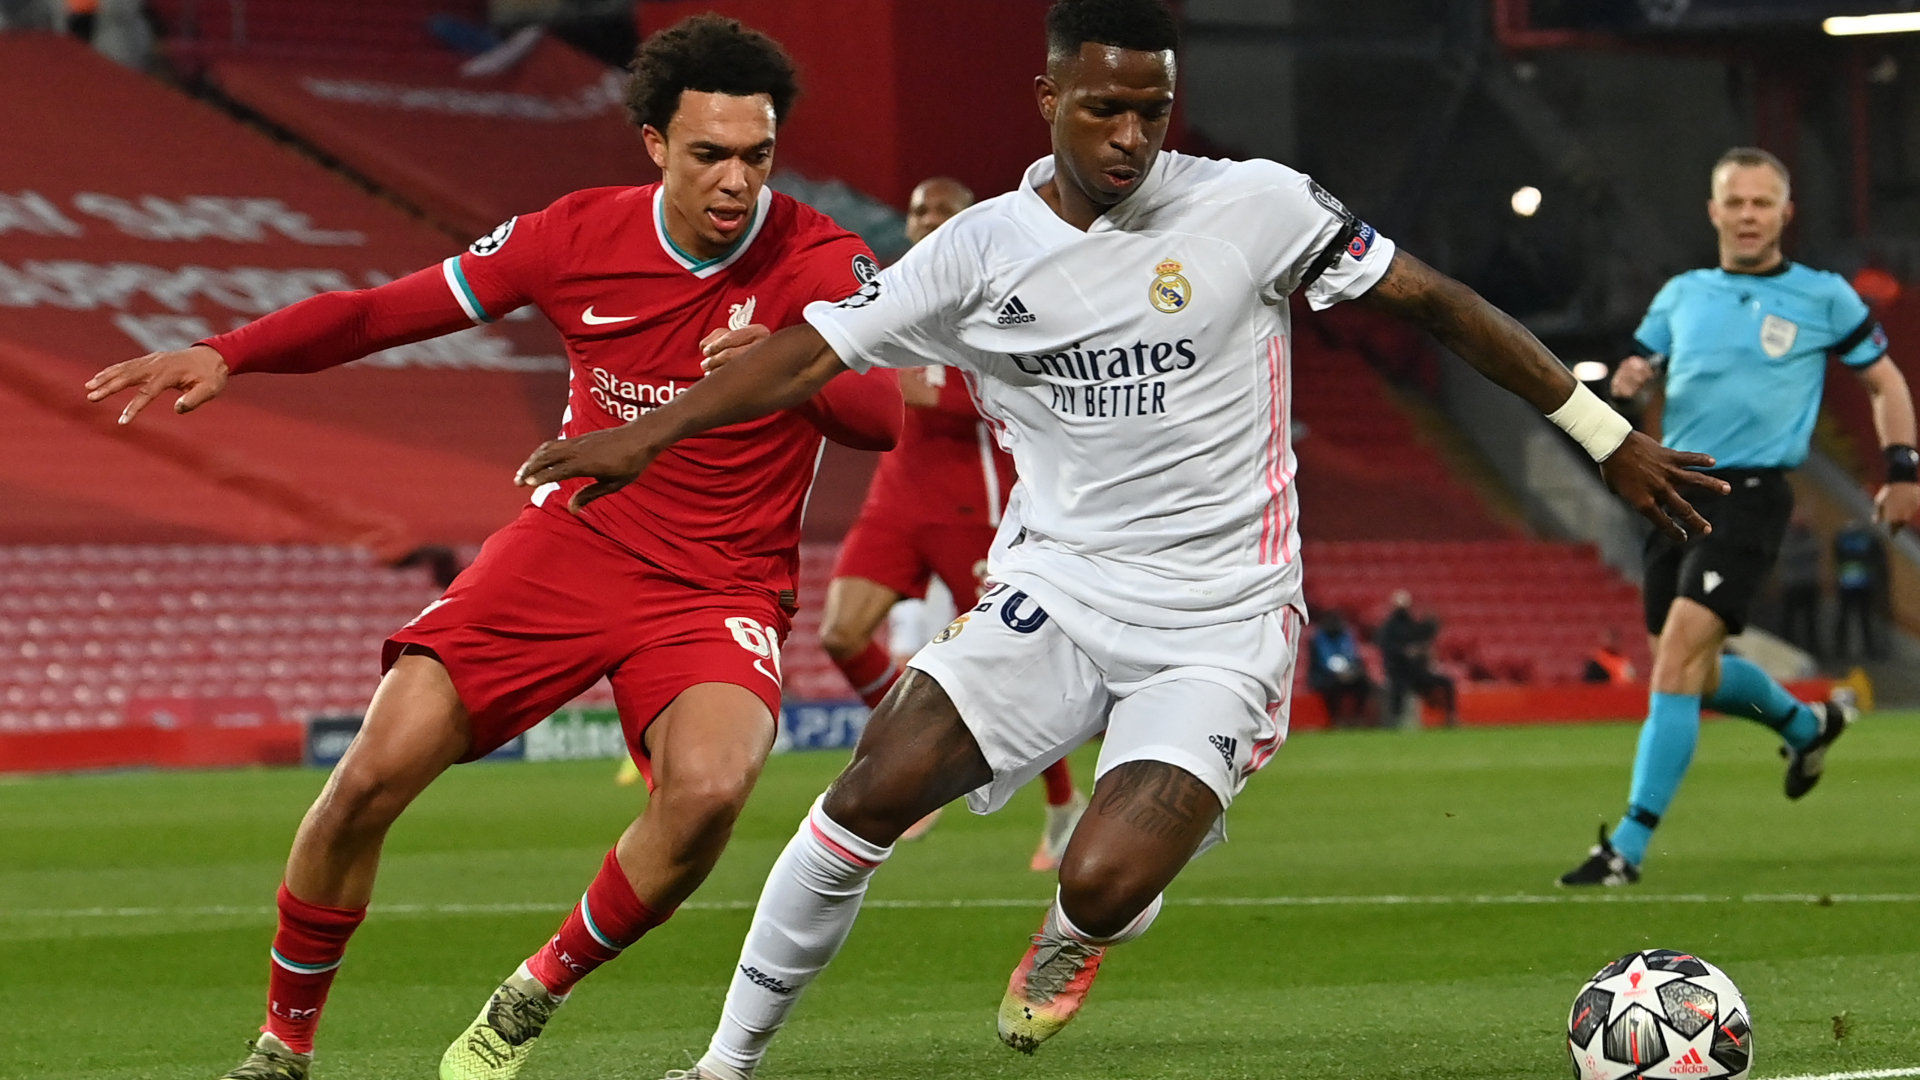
x=932, y=511
x=677, y=589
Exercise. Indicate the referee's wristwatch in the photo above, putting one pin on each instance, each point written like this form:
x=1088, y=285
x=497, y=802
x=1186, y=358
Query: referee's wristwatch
x=1903, y=465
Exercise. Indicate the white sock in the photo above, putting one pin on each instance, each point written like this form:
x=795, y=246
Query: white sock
x=1127, y=933
x=805, y=913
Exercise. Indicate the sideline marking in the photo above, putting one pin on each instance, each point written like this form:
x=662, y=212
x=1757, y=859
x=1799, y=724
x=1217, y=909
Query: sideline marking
x=1523, y=899
x=1867, y=1075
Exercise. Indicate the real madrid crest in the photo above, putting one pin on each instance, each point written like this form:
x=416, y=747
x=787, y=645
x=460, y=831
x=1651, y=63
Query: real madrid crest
x=1169, y=292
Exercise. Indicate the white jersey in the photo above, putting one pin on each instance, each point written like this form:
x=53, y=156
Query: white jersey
x=1138, y=372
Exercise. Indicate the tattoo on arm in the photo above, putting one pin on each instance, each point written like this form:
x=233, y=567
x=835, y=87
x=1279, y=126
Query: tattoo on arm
x=1163, y=801
x=1483, y=335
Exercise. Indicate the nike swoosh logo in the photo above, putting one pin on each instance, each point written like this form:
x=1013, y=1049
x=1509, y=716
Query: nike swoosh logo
x=591, y=319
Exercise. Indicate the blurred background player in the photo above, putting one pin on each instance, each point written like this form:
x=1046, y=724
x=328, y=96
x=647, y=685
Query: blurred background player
x=1735, y=357
x=677, y=589
x=934, y=506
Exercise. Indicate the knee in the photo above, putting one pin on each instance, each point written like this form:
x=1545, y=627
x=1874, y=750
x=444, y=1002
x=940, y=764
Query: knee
x=842, y=640
x=1103, y=896
x=359, y=802
x=705, y=802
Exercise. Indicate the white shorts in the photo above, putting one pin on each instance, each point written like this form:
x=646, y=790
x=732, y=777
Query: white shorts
x=1033, y=683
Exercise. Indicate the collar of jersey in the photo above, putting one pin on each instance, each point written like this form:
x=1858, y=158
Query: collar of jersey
x=1785, y=265
x=704, y=268
x=1116, y=218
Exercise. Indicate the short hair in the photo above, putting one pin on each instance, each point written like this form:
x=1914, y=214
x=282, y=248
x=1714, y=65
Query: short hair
x=963, y=191
x=707, y=54
x=1138, y=25
x=1748, y=157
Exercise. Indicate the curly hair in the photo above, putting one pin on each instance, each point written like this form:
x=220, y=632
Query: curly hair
x=1139, y=25
x=709, y=54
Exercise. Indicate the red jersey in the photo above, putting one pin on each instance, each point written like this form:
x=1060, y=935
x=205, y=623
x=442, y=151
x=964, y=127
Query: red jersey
x=947, y=470
x=721, y=510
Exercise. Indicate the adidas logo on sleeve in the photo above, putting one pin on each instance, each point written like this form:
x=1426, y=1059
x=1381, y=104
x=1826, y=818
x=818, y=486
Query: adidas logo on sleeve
x=1014, y=313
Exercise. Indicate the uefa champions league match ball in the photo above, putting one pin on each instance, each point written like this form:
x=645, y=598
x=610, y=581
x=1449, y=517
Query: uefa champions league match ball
x=1660, y=1013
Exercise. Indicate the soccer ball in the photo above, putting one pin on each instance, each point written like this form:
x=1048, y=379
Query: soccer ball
x=1659, y=1014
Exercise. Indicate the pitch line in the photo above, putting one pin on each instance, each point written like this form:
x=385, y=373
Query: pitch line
x=1869, y=1074
x=1494, y=900
x=1865, y=1075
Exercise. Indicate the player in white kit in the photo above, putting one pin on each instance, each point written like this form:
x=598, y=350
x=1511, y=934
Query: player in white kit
x=1122, y=319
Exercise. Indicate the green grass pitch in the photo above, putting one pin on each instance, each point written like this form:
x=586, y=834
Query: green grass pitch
x=134, y=919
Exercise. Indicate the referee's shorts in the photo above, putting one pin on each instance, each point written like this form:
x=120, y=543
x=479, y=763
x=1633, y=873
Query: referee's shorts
x=1724, y=569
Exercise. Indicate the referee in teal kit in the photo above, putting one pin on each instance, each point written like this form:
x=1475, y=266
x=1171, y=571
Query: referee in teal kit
x=1739, y=353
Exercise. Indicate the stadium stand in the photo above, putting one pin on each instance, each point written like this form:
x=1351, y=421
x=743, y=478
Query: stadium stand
x=468, y=150
x=370, y=32
x=171, y=221
x=90, y=633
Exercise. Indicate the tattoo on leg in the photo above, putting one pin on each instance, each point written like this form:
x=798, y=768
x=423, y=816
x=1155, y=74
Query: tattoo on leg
x=1159, y=799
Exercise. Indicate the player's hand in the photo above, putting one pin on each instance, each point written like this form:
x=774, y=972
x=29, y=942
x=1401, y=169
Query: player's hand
x=723, y=345
x=611, y=458
x=1895, y=505
x=198, y=373
x=1631, y=376
x=918, y=390
x=1649, y=476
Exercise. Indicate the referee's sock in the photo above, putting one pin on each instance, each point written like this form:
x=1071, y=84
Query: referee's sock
x=1666, y=749
x=1747, y=691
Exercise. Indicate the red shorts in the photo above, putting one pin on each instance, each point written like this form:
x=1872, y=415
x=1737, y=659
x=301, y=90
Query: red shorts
x=903, y=555
x=551, y=606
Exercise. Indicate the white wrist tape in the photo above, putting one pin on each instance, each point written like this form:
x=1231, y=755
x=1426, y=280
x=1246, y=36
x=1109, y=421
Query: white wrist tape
x=1592, y=423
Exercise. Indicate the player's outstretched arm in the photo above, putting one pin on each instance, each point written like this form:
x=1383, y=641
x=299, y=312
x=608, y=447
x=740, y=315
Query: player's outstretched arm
x=315, y=334
x=779, y=373
x=1899, y=498
x=1645, y=474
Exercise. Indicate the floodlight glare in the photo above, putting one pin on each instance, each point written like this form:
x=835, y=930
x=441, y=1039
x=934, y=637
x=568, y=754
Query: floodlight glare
x=1526, y=201
x=1892, y=22
x=1590, y=371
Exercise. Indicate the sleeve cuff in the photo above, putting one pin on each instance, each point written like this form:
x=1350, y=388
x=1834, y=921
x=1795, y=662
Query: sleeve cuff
x=820, y=316
x=1369, y=275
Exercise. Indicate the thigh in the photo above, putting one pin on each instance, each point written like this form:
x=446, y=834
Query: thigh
x=880, y=549
x=915, y=756
x=958, y=554
x=415, y=728
x=1024, y=689
x=528, y=627
x=712, y=737
x=683, y=637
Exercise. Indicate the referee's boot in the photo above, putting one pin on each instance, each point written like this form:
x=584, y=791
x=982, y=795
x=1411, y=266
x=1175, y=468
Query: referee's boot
x=1604, y=866
x=1804, y=767
x=270, y=1059
x=497, y=1043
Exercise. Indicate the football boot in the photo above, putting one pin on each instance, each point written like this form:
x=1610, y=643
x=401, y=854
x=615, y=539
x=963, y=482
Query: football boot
x=270, y=1059
x=1805, y=766
x=497, y=1043
x=1053, y=839
x=1048, y=987
x=1604, y=866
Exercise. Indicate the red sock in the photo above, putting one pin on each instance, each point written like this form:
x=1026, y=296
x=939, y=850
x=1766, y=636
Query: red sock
x=306, y=952
x=872, y=673
x=1059, y=780
x=606, y=920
